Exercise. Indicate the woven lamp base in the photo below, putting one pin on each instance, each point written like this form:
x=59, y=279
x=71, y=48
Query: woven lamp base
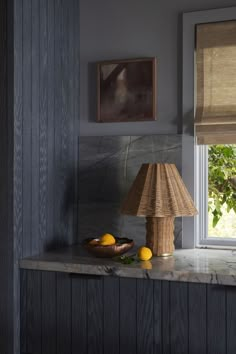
x=160, y=235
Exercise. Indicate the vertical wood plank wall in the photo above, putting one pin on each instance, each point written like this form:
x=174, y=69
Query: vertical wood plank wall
x=46, y=38
x=124, y=316
x=46, y=74
x=39, y=94
x=6, y=183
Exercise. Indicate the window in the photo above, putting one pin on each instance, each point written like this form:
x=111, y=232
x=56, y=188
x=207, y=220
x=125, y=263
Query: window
x=216, y=190
x=192, y=155
x=215, y=124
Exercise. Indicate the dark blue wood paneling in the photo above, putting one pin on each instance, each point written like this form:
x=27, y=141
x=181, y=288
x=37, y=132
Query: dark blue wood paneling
x=43, y=123
x=111, y=304
x=84, y=314
x=45, y=97
x=165, y=318
x=64, y=333
x=76, y=113
x=216, y=320
x=27, y=123
x=95, y=315
x=45, y=101
x=35, y=127
x=197, y=318
x=79, y=315
x=63, y=124
x=24, y=295
x=60, y=237
x=14, y=185
x=128, y=316
x=231, y=319
x=157, y=316
x=49, y=313
x=34, y=312
x=18, y=128
x=51, y=237
x=179, y=317
x=6, y=190
x=29, y=33
x=145, y=316
x=17, y=132
x=72, y=97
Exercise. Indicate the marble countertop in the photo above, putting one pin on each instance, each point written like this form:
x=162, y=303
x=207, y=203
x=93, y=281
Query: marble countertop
x=198, y=265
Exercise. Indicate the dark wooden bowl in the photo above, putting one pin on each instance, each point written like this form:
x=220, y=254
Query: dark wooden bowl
x=121, y=246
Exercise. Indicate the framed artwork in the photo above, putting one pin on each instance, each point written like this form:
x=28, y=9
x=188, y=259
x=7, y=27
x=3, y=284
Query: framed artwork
x=126, y=90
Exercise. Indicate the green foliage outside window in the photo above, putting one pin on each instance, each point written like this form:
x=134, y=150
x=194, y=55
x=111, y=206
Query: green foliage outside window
x=221, y=179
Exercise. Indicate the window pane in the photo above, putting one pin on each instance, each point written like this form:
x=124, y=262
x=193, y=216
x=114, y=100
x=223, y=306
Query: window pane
x=222, y=191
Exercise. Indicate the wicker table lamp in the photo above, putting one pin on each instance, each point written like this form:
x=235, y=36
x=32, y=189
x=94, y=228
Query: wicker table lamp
x=159, y=194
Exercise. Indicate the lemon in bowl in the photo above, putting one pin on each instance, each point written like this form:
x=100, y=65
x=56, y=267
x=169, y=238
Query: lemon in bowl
x=107, y=246
x=107, y=240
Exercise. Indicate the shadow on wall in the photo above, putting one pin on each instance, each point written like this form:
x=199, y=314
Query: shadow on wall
x=65, y=209
x=107, y=168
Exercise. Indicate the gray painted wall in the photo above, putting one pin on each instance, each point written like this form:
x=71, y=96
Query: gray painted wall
x=135, y=28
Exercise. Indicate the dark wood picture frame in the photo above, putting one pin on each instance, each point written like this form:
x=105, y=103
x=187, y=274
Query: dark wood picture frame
x=128, y=92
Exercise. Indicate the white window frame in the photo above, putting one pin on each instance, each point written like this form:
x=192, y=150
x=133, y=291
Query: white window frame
x=190, y=152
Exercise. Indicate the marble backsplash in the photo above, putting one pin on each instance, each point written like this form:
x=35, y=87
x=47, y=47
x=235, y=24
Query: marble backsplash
x=107, y=168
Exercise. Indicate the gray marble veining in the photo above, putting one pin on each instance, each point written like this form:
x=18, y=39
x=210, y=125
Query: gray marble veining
x=197, y=266
x=108, y=166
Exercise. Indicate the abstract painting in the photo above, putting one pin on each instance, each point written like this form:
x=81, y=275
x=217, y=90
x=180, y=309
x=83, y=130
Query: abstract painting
x=126, y=90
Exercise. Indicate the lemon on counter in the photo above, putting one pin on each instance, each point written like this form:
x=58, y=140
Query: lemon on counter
x=144, y=253
x=107, y=240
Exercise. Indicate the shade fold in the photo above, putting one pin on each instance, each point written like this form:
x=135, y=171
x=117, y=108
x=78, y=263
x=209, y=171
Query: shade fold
x=215, y=118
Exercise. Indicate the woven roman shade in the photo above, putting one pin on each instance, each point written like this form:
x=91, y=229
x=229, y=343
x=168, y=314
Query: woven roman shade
x=215, y=120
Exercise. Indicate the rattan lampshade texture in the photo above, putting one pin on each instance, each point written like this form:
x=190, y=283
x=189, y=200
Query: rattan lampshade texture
x=159, y=194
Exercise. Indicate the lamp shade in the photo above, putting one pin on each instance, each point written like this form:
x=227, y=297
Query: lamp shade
x=158, y=191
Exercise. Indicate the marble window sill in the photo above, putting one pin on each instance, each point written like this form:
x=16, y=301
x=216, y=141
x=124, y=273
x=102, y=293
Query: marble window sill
x=197, y=266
